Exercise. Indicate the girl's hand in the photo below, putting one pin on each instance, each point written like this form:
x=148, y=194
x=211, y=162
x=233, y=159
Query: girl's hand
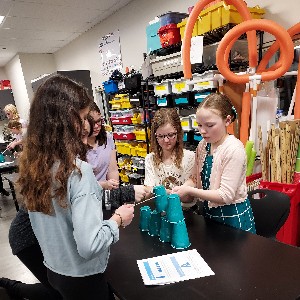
x=142, y=192
x=184, y=192
x=110, y=184
x=126, y=212
x=10, y=146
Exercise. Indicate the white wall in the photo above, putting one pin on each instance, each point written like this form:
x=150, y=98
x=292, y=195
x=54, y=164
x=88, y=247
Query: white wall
x=131, y=20
x=15, y=75
x=3, y=75
x=35, y=65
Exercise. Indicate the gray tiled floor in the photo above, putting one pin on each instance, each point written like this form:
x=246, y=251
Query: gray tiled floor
x=10, y=266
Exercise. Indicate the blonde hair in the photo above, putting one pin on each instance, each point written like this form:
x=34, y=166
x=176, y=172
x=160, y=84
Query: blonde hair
x=13, y=110
x=162, y=117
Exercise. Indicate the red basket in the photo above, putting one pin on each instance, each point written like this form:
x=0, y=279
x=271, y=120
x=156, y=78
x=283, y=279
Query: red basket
x=121, y=120
x=289, y=233
x=169, y=35
x=124, y=136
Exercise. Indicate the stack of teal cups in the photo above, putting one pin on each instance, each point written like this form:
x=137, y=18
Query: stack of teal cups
x=166, y=220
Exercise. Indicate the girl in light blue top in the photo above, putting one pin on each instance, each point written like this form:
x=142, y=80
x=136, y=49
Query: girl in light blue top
x=62, y=195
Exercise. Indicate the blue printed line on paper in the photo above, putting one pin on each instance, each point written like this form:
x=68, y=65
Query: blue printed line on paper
x=148, y=270
x=177, y=267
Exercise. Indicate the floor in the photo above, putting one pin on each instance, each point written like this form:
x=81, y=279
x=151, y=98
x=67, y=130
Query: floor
x=10, y=266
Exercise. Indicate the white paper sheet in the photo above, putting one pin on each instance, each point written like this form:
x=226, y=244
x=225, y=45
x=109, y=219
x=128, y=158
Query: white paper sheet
x=174, y=267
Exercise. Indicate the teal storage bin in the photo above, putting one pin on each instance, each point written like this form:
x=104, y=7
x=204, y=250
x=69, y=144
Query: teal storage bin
x=153, y=41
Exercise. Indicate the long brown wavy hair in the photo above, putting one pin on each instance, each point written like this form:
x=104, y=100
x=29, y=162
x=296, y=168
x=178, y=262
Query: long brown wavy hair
x=162, y=117
x=53, y=136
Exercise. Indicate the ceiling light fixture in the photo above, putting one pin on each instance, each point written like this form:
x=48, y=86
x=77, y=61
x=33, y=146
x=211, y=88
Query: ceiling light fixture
x=1, y=19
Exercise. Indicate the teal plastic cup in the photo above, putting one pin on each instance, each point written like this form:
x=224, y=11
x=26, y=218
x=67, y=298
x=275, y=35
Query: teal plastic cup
x=180, y=238
x=154, y=223
x=145, y=214
x=161, y=198
x=174, y=209
x=165, y=230
x=2, y=158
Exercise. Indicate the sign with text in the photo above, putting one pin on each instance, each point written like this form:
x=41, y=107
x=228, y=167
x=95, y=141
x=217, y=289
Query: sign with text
x=110, y=52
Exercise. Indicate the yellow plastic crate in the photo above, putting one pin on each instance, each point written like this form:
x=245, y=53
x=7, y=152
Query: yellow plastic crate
x=219, y=15
x=136, y=119
x=133, y=150
x=124, y=177
x=126, y=104
x=119, y=147
x=182, y=26
x=141, y=152
x=126, y=149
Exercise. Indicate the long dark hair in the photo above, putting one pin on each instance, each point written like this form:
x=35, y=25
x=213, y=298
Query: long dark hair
x=53, y=135
x=101, y=138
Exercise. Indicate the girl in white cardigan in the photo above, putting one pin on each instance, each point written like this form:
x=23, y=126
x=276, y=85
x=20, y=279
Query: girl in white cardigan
x=219, y=175
x=168, y=164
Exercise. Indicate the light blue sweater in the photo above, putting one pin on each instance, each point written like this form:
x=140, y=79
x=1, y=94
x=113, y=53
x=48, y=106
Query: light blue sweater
x=75, y=241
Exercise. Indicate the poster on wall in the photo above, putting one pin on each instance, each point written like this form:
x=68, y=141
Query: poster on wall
x=110, y=52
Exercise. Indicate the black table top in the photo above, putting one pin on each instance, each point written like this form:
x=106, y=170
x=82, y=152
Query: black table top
x=246, y=266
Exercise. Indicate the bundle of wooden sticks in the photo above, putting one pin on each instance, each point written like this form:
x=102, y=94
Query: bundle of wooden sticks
x=278, y=156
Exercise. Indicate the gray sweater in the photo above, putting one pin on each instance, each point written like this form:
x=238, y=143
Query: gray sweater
x=75, y=241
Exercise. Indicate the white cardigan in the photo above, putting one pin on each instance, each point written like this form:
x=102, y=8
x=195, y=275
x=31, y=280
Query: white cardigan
x=228, y=174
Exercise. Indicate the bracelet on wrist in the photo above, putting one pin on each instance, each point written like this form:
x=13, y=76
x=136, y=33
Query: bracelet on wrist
x=122, y=224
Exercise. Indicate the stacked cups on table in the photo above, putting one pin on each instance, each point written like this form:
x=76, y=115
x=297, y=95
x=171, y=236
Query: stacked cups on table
x=166, y=220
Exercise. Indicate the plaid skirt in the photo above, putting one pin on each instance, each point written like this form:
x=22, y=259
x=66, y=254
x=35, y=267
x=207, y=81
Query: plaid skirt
x=237, y=215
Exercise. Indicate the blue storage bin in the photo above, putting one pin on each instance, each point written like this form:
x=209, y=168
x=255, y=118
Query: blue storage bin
x=188, y=136
x=197, y=137
x=171, y=17
x=164, y=101
x=153, y=41
x=110, y=86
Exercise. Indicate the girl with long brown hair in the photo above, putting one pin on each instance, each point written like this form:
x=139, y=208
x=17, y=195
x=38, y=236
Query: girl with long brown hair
x=62, y=194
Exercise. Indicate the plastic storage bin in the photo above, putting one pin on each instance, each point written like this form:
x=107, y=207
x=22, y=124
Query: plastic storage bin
x=180, y=86
x=289, y=233
x=186, y=123
x=200, y=96
x=163, y=88
x=169, y=35
x=153, y=41
x=217, y=16
x=164, y=101
x=168, y=64
x=124, y=136
x=183, y=99
x=121, y=120
x=238, y=53
x=171, y=17
x=110, y=86
x=182, y=26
